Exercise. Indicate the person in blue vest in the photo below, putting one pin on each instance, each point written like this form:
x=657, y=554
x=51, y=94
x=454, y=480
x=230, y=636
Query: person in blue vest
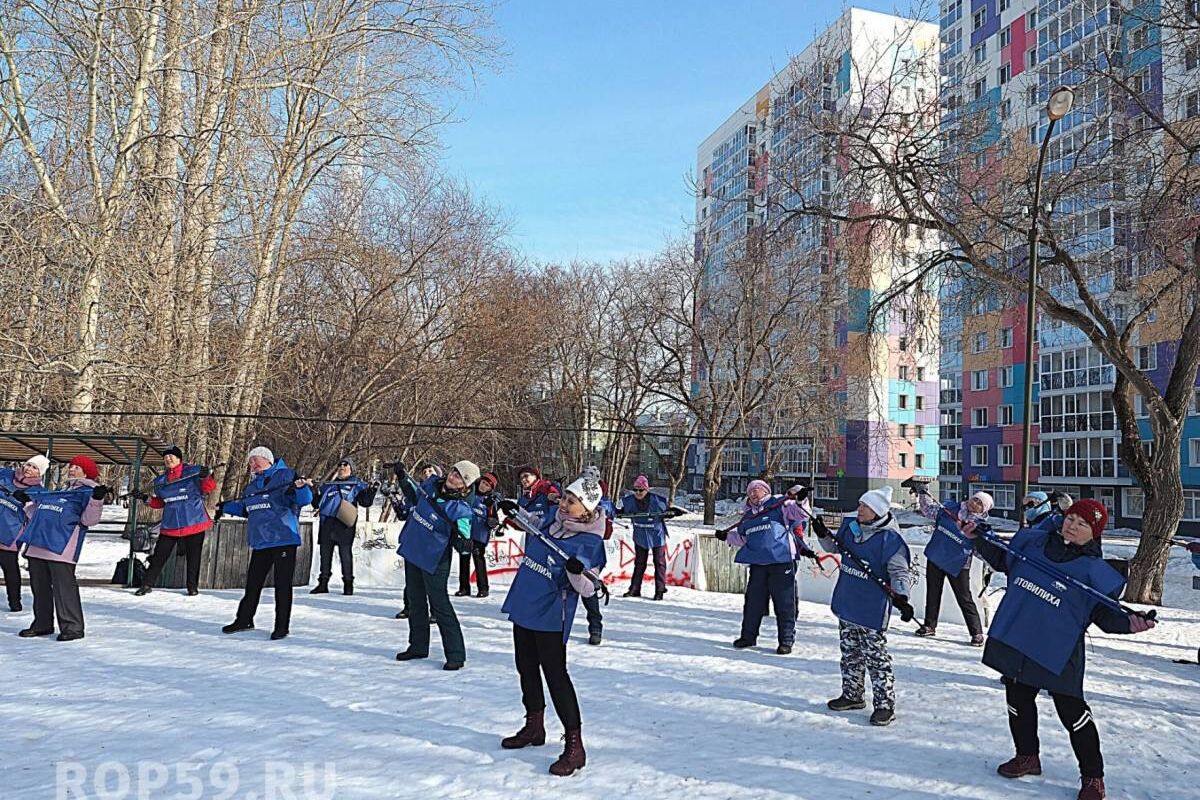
x=333, y=532
x=770, y=537
x=179, y=493
x=442, y=515
x=537, y=494
x=956, y=517
x=1037, y=507
x=53, y=539
x=404, y=502
x=541, y=606
x=482, y=525
x=271, y=504
x=649, y=536
x=1036, y=641
x=863, y=606
x=13, y=516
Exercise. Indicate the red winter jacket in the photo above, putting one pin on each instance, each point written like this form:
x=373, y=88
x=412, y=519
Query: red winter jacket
x=207, y=486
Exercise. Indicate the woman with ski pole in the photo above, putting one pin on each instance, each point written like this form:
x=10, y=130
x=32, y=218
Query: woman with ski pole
x=53, y=538
x=337, y=503
x=871, y=547
x=1058, y=585
x=271, y=504
x=563, y=559
x=179, y=493
x=648, y=512
x=769, y=537
x=948, y=556
x=14, y=500
x=482, y=523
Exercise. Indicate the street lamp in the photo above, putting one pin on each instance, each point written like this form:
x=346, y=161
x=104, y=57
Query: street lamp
x=1057, y=107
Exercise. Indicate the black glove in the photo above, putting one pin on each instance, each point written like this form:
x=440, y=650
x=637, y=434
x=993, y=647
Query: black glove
x=204, y=472
x=99, y=492
x=900, y=601
x=803, y=494
x=399, y=470
x=722, y=535
x=809, y=553
x=141, y=497
x=574, y=566
x=820, y=528
x=508, y=506
x=674, y=512
x=21, y=496
x=220, y=512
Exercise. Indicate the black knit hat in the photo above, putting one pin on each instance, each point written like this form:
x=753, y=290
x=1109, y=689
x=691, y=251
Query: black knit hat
x=173, y=451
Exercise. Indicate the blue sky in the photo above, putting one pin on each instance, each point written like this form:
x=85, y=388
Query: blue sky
x=587, y=136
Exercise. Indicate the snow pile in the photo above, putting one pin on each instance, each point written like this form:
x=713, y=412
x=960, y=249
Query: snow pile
x=669, y=708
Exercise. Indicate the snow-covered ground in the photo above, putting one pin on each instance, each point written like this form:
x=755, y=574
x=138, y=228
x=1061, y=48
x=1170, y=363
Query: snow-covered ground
x=669, y=708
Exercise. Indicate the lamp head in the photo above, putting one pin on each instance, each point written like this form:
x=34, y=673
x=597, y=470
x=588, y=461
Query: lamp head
x=1060, y=102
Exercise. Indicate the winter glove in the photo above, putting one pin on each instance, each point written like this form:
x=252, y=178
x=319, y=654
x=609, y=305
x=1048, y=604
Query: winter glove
x=1063, y=501
x=809, y=553
x=508, y=506
x=220, y=512
x=21, y=496
x=820, y=528
x=722, y=535
x=675, y=511
x=803, y=494
x=900, y=601
x=398, y=469
x=203, y=472
x=99, y=492
x=1140, y=624
x=574, y=566
x=141, y=497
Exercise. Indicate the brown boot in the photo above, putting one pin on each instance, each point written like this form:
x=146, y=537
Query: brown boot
x=573, y=756
x=1019, y=766
x=1093, y=789
x=533, y=732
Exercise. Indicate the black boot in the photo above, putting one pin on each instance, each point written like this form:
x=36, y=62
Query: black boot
x=322, y=586
x=573, y=756
x=237, y=626
x=15, y=607
x=142, y=591
x=533, y=732
x=348, y=586
x=402, y=614
x=844, y=703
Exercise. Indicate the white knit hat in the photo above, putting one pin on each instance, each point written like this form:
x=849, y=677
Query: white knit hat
x=467, y=471
x=588, y=492
x=40, y=461
x=878, y=500
x=262, y=452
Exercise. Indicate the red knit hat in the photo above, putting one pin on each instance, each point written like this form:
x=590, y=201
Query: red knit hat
x=1092, y=512
x=90, y=470
x=531, y=469
x=491, y=478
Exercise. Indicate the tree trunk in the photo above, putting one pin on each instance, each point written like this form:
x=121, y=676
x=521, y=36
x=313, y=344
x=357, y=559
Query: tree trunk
x=1160, y=521
x=712, y=483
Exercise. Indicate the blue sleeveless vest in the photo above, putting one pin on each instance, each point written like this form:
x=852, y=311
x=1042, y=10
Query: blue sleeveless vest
x=425, y=537
x=183, y=502
x=54, y=518
x=12, y=513
x=332, y=495
x=479, y=520
x=647, y=533
x=272, y=514
x=1041, y=616
x=767, y=538
x=949, y=548
x=541, y=597
x=857, y=598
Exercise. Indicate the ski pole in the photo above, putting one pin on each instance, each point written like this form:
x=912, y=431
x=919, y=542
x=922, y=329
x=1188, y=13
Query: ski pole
x=765, y=510
x=187, y=476
x=521, y=519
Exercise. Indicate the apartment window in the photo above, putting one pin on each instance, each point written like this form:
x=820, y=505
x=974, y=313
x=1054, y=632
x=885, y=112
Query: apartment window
x=920, y=374
x=918, y=432
x=979, y=455
x=903, y=460
x=1006, y=377
x=1140, y=409
x=979, y=53
x=1191, y=505
x=1005, y=37
x=1191, y=105
x=1004, y=4
x=1196, y=402
x=1004, y=74
x=1083, y=457
x=979, y=417
x=825, y=489
x=1005, y=494
x=903, y=344
x=1133, y=503
x=1147, y=357
x=1140, y=37
x=979, y=19
x=1006, y=337
x=902, y=430
x=1031, y=58
x=903, y=372
x=979, y=380
x=919, y=460
x=951, y=460
x=1194, y=452
x=979, y=343
x=1031, y=20
x=1005, y=455
x=920, y=400
x=1005, y=108
x=1004, y=415
x=902, y=401
x=1191, y=56
x=979, y=88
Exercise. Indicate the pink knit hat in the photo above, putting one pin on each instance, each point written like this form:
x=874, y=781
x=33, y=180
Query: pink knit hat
x=641, y=482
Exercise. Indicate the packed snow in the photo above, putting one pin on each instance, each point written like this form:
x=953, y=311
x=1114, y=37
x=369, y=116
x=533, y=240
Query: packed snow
x=156, y=702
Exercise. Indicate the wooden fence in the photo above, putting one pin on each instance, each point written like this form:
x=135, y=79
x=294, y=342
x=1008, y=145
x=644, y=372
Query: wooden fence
x=226, y=556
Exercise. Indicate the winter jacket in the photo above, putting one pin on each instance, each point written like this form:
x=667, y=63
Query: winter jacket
x=543, y=595
x=773, y=537
x=1037, y=597
x=271, y=504
x=484, y=517
x=858, y=598
x=187, y=516
x=13, y=515
x=648, y=532
x=535, y=501
x=438, y=516
x=948, y=548
x=328, y=499
x=91, y=510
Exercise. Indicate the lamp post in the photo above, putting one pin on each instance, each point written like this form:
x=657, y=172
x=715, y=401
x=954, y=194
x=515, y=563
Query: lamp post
x=1057, y=107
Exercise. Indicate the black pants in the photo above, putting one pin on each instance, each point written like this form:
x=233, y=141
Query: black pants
x=345, y=552
x=541, y=653
x=960, y=584
x=1076, y=717
x=55, y=593
x=640, y=555
x=478, y=555
x=283, y=559
x=191, y=547
x=595, y=619
x=777, y=583
x=427, y=592
x=12, y=577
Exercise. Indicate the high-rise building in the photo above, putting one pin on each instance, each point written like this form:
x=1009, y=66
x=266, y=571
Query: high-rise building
x=765, y=157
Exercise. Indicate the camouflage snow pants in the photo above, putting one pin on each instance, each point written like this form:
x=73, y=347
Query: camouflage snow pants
x=865, y=650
